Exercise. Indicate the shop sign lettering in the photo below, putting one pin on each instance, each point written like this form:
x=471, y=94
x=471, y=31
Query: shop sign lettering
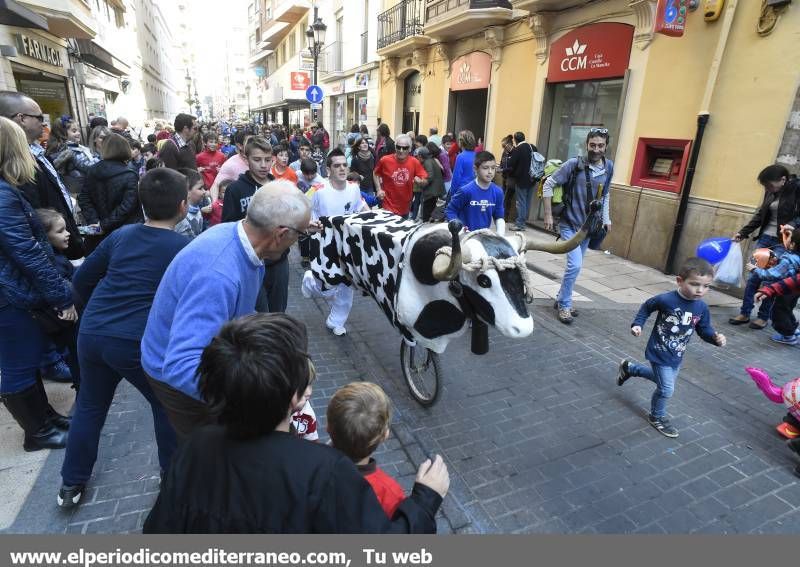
x=39, y=49
x=596, y=51
x=471, y=71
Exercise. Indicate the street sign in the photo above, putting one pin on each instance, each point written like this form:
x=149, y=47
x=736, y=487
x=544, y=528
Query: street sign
x=314, y=94
x=315, y=106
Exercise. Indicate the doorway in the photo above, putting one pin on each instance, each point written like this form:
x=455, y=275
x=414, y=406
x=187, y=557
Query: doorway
x=412, y=100
x=467, y=111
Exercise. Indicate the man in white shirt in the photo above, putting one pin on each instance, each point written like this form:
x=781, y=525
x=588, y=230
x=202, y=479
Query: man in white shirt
x=337, y=197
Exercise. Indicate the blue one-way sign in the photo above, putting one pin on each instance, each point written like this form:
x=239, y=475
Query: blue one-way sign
x=314, y=94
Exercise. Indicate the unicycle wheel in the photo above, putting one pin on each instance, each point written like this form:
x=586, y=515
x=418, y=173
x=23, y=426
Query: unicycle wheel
x=422, y=372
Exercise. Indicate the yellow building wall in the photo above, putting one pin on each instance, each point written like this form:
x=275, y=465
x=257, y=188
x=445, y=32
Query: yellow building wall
x=675, y=78
x=751, y=104
x=434, y=110
x=512, y=88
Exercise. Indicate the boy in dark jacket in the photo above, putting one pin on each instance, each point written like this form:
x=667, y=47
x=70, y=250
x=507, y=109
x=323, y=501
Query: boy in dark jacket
x=254, y=373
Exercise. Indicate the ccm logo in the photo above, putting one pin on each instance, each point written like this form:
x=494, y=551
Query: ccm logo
x=573, y=61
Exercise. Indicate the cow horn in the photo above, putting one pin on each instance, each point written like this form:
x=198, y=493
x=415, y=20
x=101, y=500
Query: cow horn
x=564, y=246
x=447, y=261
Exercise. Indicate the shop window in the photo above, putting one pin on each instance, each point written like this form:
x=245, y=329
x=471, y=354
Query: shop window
x=575, y=109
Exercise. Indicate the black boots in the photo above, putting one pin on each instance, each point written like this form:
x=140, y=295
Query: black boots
x=58, y=420
x=30, y=410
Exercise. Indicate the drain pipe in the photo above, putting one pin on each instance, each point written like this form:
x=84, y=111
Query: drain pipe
x=702, y=120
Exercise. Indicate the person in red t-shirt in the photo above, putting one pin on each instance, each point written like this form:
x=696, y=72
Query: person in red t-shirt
x=210, y=159
x=280, y=168
x=359, y=415
x=395, y=176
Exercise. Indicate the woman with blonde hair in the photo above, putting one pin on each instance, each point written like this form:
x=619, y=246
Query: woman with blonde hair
x=31, y=291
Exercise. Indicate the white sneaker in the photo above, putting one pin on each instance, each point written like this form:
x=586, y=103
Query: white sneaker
x=338, y=331
x=308, y=284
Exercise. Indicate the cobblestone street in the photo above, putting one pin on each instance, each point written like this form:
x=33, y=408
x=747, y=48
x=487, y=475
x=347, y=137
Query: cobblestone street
x=536, y=434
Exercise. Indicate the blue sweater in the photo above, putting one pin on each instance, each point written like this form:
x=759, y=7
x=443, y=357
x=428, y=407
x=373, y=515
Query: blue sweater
x=788, y=266
x=463, y=170
x=209, y=282
x=676, y=322
x=118, y=280
x=476, y=207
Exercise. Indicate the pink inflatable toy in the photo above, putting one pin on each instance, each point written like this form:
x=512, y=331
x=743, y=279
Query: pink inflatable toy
x=788, y=394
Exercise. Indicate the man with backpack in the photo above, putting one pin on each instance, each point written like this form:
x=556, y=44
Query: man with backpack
x=583, y=180
x=525, y=167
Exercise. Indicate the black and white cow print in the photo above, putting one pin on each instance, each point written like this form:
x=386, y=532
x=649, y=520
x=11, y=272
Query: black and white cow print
x=392, y=260
x=367, y=250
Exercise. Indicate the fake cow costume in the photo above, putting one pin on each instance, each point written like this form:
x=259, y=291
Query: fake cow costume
x=431, y=281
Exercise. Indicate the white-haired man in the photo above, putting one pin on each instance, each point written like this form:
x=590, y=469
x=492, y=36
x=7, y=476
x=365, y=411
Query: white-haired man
x=214, y=279
x=395, y=176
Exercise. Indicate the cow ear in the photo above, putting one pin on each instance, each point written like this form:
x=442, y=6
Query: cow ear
x=516, y=242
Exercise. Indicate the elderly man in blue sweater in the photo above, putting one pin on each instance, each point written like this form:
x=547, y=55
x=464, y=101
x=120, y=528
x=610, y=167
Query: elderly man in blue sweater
x=214, y=279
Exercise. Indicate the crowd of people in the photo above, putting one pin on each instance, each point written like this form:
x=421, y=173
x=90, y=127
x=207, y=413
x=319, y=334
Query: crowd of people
x=163, y=262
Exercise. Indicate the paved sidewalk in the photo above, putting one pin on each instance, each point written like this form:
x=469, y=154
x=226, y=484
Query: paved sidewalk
x=536, y=434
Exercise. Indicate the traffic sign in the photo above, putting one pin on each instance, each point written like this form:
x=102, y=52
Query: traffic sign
x=314, y=94
x=315, y=106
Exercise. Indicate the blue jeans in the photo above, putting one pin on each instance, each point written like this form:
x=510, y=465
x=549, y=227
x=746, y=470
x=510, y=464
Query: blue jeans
x=22, y=345
x=664, y=378
x=574, y=264
x=415, y=203
x=523, y=203
x=754, y=282
x=105, y=361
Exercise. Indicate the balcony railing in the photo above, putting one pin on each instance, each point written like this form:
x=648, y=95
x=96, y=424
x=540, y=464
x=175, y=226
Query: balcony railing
x=364, y=47
x=438, y=8
x=331, y=58
x=405, y=19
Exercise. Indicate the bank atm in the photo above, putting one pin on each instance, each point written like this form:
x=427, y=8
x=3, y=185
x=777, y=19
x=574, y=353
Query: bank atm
x=661, y=163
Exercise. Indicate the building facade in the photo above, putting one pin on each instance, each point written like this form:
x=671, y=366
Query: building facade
x=36, y=48
x=280, y=61
x=556, y=68
x=350, y=73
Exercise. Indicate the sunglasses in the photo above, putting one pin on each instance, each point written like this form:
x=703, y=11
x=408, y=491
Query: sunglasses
x=598, y=131
x=39, y=117
x=403, y=148
x=301, y=234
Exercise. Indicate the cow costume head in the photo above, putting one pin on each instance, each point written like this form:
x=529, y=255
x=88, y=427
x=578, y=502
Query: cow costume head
x=432, y=281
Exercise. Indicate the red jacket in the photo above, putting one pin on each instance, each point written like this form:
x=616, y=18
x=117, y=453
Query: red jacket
x=788, y=286
x=211, y=162
x=452, y=153
x=389, y=493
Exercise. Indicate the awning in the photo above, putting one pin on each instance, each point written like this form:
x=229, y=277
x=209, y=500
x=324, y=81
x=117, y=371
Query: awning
x=100, y=58
x=14, y=14
x=288, y=104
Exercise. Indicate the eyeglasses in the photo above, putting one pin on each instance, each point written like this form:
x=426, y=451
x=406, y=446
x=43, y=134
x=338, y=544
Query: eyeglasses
x=39, y=117
x=403, y=148
x=301, y=234
x=598, y=131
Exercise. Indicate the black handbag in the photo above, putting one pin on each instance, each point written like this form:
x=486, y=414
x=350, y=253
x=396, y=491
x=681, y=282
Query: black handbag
x=49, y=321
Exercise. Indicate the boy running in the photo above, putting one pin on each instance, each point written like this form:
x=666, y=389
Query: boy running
x=680, y=312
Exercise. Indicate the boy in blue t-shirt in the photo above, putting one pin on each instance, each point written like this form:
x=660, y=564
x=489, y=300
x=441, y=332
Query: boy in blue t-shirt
x=680, y=312
x=479, y=201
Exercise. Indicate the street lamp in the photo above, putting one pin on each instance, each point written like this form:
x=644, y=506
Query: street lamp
x=315, y=36
x=188, y=99
x=196, y=101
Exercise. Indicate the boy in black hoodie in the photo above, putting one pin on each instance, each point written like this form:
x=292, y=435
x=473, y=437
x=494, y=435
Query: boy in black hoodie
x=237, y=197
x=275, y=291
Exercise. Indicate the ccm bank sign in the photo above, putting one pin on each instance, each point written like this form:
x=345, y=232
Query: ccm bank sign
x=597, y=51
